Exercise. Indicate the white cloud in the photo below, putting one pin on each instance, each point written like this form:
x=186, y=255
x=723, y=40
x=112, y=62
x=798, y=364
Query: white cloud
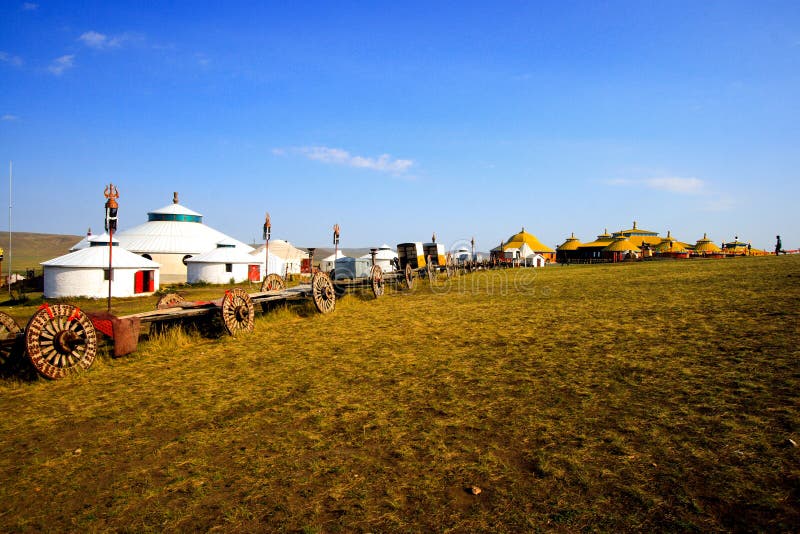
x=29, y=6
x=11, y=59
x=674, y=184
x=94, y=39
x=671, y=184
x=61, y=64
x=8, y=117
x=101, y=41
x=337, y=156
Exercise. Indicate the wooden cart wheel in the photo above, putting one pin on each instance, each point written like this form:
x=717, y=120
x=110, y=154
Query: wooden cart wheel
x=60, y=340
x=237, y=311
x=409, y=276
x=170, y=300
x=273, y=282
x=323, y=292
x=376, y=276
x=8, y=330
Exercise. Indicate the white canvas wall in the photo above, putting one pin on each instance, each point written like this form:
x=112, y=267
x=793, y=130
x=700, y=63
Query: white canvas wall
x=89, y=282
x=215, y=273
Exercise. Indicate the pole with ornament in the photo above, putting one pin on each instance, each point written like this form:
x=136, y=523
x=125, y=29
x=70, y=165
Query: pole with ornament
x=111, y=195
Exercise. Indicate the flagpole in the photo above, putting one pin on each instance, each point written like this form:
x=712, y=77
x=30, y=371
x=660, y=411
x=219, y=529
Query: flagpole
x=10, y=175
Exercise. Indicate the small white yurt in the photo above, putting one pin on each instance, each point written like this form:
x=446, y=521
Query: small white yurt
x=222, y=264
x=291, y=257
x=84, y=273
x=384, y=257
x=326, y=264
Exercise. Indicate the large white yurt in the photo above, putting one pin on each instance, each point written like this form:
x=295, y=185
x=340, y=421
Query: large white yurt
x=84, y=273
x=223, y=264
x=384, y=257
x=290, y=257
x=171, y=236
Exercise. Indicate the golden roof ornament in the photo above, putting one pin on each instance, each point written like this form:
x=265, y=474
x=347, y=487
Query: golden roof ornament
x=175, y=197
x=112, y=195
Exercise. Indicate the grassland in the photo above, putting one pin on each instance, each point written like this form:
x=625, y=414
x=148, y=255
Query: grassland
x=30, y=249
x=638, y=397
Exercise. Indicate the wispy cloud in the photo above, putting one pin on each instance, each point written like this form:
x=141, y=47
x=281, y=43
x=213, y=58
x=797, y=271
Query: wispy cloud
x=29, y=6
x=11, y=59
x=101, y=41
x=8, y=117
x=61, y=64
x=671, y=184
x=337, y=156
x=675, y=184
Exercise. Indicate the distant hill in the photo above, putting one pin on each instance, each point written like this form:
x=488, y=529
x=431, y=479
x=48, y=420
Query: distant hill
x=28, y=250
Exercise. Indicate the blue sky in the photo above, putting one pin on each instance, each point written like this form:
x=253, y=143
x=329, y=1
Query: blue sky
x=397, y=119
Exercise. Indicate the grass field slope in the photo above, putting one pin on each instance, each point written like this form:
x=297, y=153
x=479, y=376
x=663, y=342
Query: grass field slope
x=28, y=250
x=631, y=397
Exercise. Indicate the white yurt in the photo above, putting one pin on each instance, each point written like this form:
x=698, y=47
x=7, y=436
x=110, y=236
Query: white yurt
x=384, y=257
x=84, y=273
x=171, y=236
x=222, y=264
x=291, y=257
x=327, y=263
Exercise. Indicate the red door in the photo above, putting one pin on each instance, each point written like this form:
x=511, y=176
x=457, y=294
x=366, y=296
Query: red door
x=138, y=282
x=254, y=273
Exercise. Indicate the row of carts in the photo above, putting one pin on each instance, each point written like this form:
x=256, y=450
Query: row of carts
x=61, y=339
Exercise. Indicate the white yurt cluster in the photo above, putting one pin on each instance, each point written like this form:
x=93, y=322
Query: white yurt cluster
x=384, y=257
x=84, y=272
x=173, y=235
x=284, y=258
x=328, y=263
x=223, y=264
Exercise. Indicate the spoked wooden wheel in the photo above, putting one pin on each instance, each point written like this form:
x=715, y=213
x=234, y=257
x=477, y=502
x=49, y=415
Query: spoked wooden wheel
x=376, y=277
x=8, y=332
x=323, y=292
x=60, y=340
x=170, y=300
x=409, y=276
x=273, y=282
x=238, y=312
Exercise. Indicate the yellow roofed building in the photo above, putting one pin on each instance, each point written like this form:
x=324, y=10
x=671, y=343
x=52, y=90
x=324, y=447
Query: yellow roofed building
x=568, y=250
x=669, y=247
x=705, y=247
x=522, y=243
x=593, y=251
x=621, y=249
x=639, y=236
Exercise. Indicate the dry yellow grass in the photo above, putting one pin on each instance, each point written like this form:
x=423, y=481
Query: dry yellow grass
x=628, y=397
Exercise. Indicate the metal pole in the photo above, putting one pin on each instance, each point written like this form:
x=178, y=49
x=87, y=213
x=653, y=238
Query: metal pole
x=335, y=243
x=110, y=271
x=267, y=232
x=10, y=174
x=111, y=195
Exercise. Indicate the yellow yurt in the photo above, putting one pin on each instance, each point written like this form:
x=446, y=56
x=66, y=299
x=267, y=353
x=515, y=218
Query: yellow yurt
x=706, y=247
x=568, y=250
x=621, y=249
x=515, y=242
